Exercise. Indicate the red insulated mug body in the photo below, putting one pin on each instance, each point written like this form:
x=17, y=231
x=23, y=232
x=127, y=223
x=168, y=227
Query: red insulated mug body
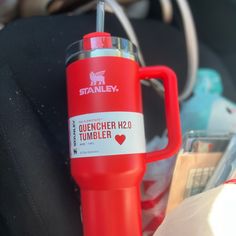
x=106, y=129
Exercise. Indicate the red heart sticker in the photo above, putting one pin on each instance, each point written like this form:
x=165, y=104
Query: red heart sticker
x=120, y=139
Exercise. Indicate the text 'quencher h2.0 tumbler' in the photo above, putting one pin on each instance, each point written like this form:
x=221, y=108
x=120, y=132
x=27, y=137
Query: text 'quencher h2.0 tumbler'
x=106, y=129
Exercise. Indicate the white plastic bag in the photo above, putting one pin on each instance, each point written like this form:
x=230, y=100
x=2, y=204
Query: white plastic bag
x=211, y=213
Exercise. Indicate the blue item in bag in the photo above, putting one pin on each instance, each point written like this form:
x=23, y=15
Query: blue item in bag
x=207, y=109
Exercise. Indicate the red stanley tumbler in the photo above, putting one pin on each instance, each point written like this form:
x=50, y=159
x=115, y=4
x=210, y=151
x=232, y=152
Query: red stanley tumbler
x=106, y=129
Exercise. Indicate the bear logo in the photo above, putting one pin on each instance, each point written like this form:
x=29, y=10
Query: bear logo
x=97, y=78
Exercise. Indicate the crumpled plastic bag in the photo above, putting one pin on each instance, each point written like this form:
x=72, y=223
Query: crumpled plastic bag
x=155, y=188
x=211, y=213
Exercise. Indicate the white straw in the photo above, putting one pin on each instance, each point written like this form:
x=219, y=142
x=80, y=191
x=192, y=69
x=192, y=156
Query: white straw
x=100, y=15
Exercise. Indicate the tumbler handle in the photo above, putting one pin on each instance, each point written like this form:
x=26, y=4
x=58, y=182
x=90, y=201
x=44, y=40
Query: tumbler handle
x=171, y=110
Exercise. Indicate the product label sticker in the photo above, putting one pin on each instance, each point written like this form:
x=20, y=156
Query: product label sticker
x=106, y=133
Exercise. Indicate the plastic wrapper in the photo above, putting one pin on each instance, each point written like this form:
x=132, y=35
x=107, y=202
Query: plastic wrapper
x=226, y=166
x=195, y=165
x=155, y=188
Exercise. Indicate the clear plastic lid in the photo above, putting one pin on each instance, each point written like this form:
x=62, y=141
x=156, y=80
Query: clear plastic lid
x=101, y=46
